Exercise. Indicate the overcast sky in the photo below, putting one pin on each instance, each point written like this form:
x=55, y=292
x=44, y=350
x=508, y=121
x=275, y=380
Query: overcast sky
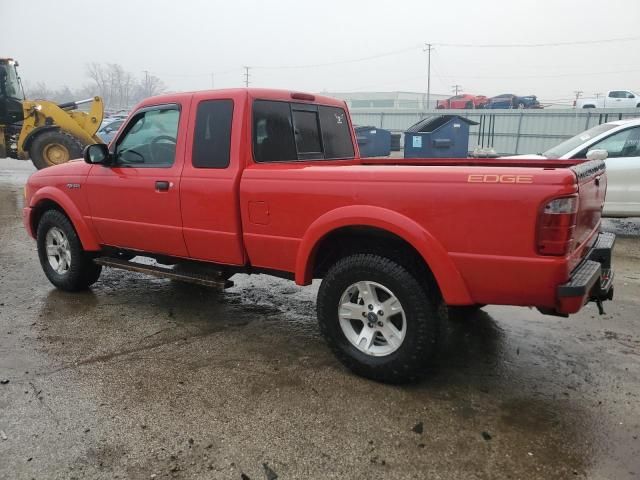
x=184, y=42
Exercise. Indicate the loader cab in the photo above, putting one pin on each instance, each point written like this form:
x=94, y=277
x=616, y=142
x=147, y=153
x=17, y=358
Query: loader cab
x=11, y=92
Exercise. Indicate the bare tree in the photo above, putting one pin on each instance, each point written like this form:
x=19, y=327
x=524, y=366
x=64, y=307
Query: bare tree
x=97, y=74
x=149, y=86
x=39, y=91
x=118, y=87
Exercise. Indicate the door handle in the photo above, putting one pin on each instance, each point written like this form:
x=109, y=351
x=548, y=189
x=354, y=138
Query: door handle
x=162, y=185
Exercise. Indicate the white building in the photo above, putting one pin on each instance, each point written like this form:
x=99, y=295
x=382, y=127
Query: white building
x=365, y=102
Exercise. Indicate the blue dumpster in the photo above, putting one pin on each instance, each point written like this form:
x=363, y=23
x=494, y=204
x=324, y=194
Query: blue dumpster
x=441, y=136
x=373, y=142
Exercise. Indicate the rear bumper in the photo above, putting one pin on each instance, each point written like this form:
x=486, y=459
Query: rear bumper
x=592, y=280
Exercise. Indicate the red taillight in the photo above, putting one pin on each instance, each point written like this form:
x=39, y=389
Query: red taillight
x=556, y=226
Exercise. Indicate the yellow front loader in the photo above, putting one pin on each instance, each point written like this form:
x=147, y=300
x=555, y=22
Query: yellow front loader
x=44, y=131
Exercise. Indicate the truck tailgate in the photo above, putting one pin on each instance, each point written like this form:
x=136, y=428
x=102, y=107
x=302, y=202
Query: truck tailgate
x=592, y=187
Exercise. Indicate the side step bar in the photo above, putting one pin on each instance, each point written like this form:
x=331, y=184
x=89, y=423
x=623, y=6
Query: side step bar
x=182, y=276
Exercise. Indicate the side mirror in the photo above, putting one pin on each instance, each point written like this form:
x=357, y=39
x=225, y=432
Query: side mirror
x=597, y=154
x=98, y=153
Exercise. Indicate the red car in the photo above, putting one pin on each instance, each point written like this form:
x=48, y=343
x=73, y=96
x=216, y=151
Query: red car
x=267, y=181
x=464, y=101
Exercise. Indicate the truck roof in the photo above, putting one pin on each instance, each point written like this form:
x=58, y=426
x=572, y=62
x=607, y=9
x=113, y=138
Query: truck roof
x=262, y=93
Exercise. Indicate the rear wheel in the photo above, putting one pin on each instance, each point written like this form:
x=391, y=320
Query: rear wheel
x=65, y=263
x=53, y=148
x=379, y=319
x=468, y=105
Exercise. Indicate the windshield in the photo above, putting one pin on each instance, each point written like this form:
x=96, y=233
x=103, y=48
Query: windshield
x=9, y=84
x=574, y=142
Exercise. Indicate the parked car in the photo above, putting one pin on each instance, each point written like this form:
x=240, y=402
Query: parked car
x=109, y=128
x=464, y=101
x=508, y=100
x=621, y=140
x=612, y=99
x=270, y=181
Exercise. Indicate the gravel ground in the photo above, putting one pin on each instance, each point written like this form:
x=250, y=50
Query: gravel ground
x=145, y=378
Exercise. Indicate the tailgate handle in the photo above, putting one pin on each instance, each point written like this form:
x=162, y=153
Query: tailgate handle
x=597, y=181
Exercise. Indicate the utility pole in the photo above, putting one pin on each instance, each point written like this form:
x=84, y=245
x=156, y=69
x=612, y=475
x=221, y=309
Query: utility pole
x=146, y=83
x=246, y=76
x=456, y=88
x=578, y=93
x=428, y=48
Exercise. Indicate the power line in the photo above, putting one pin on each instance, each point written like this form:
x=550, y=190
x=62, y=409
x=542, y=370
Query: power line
x=536, y=45
x=340, y=62
x=203, y=74
x=535, y=75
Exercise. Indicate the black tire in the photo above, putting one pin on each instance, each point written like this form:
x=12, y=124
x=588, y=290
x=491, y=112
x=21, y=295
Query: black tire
x=82, y=272
x=420, y=301
x=54, y=147
x=468, y=105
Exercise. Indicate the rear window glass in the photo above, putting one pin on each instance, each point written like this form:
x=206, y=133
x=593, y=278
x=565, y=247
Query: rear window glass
x=336, y=134
x=285, y=131
x=273, y=132
x=212, y=136
x=306, y=131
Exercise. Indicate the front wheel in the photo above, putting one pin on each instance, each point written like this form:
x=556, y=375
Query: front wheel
x=379, y=319
x=65, y=263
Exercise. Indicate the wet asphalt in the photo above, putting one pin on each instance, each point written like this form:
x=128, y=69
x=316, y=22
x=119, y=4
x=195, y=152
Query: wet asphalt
x=147, y=378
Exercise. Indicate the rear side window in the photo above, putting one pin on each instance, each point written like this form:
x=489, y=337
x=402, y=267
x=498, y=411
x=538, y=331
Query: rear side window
x=212, y=136
x=284, y=131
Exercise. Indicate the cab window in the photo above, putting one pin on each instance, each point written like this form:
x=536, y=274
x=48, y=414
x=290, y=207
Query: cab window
x=149, y=139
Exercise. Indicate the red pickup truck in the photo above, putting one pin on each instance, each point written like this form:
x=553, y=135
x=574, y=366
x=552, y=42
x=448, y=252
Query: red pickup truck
x=264, y=181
